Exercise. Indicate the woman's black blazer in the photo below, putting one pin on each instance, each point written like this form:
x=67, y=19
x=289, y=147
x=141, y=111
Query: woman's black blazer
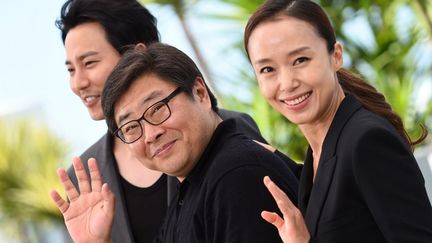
x=368, y=187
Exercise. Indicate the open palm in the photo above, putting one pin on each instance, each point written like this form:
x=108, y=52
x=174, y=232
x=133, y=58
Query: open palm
x=89, y=213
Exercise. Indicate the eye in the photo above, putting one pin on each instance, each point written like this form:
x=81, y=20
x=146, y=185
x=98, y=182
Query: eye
x=130, y=128
x=90, y=63
x=266, y=70
x=70, y=70
x=156, y=108
x=301, y=60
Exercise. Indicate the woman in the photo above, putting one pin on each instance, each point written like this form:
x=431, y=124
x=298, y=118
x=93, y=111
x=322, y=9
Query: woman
x=360, y=181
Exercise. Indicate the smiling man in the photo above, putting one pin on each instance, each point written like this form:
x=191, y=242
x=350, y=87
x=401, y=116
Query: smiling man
x=157, y=102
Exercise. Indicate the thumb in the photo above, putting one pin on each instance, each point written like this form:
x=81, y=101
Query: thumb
x=273, y=218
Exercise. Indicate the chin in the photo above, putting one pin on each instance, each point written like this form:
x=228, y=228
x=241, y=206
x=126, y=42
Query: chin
x=96, y=116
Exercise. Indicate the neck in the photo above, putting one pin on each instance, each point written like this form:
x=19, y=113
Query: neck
x=316, y=131
x=131, y=169
x=208, y=132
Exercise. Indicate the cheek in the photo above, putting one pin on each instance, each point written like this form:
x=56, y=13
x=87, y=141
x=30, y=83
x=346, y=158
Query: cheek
x=100, y=74
x=267, y=88
x=101, y=77
x=72, y=86
x=137, y=149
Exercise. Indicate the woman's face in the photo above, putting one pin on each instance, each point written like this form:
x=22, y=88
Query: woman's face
x=295, y=72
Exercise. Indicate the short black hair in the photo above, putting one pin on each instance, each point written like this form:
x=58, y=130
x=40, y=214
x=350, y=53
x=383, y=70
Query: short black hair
x=166, y=62
x=126, y=22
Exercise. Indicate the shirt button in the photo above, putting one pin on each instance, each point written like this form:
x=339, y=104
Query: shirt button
x=180, y=202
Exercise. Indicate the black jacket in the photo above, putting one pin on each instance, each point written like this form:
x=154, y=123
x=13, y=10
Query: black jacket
x=368, y=187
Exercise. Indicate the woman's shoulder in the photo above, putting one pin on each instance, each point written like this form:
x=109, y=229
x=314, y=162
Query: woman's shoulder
x=368, y=132
x=365, y=121
x=366, y=128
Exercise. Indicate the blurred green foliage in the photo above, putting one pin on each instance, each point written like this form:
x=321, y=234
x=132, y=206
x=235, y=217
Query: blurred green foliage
x=29, y=157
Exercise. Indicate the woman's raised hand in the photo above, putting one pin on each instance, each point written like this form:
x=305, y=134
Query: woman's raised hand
x=292, y=228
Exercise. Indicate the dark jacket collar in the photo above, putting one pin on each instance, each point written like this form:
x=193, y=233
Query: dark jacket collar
x=312, y=194
x=121, y=230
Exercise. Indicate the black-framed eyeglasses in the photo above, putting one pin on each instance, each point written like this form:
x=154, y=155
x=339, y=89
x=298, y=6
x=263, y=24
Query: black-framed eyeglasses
x=156, y=114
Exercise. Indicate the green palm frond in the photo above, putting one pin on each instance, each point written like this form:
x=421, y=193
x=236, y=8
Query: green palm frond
x=29, y=157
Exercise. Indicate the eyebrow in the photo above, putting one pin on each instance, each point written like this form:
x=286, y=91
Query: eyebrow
x=146, y=99
x=83, y=56
x=291, y=53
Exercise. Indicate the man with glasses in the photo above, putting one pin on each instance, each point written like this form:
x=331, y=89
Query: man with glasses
x=157, y=102
x=156, y=114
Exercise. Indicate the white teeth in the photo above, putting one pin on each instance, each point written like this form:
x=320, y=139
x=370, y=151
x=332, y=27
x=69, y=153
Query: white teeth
x=297, y=100
x=90, y=98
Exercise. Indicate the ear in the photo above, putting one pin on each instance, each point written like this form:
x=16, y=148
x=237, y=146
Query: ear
x=337, y=56
x=140, y=46
x=200, y=92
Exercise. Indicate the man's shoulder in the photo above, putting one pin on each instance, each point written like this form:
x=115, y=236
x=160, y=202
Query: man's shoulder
x=244, y=161
x=225, y=114
x=245, y=123
x=98, y=148
x=241, y=152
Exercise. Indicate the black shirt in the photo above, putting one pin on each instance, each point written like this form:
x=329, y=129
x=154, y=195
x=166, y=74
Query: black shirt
x=146, y=208
x=222, y=197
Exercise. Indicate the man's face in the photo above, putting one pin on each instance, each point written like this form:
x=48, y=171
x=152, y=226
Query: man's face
x=90, y=58
x=175, y=146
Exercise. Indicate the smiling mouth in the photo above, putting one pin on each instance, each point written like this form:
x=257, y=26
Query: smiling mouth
x=164, y=149
x=298, y=100
x=91, y=100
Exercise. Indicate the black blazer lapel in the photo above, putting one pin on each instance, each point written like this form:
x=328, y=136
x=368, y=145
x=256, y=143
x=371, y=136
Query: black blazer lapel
x=121, y=231
x=319, y=192
x=306, y=182
x=313, y=195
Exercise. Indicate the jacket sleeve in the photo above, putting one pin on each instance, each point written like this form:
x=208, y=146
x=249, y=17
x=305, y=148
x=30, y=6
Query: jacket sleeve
x=392, y=186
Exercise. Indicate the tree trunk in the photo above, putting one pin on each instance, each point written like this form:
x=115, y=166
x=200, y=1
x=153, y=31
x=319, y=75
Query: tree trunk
x=200, y=58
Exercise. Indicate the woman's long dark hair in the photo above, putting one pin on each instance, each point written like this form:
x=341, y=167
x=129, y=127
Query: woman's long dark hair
x=313, y=14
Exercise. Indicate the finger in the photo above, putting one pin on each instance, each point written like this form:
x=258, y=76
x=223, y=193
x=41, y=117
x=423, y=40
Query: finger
x=59, y=201
x=83, y=182
x=109, y=201
x=266, y=146
x=96, y=179
x=284, y=203
x=71, y=191
x=273, y=218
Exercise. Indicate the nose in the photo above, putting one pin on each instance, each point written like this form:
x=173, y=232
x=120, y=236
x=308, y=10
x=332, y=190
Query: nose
x=151, y=133
x=288, y=80
x=79, y=81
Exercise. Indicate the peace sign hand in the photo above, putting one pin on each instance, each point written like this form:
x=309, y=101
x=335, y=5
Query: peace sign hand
x=292, y=228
